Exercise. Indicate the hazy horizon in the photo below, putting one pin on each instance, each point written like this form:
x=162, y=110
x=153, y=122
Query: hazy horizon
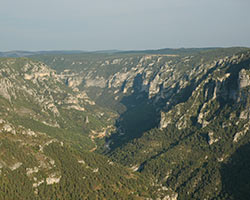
x=123, y=25
x=100, y=50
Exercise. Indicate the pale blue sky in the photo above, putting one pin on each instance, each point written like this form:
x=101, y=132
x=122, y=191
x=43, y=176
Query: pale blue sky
x=122, y=24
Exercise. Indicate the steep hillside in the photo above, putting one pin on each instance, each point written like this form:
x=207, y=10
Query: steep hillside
x=181, y=116
x=197, y=137
x=36, y=166
x=138, y=86
x=34, y=96
x=104, y=121
x=46, y=141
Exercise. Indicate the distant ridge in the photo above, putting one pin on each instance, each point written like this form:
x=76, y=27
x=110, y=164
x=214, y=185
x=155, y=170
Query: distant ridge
x=182, y=51
x=31, y=53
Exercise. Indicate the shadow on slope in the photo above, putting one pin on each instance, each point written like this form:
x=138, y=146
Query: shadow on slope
x=236, y=175
x=140, y=116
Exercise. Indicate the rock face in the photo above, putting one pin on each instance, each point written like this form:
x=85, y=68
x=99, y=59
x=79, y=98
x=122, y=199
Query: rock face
x=244, y=78
x=15, y=166
x=242, y=133
x=211, y=138
x=164, y=121
x=172, y=197
x=30, y=171
x=211, y=87
x=5, y=84
x=97, y=82
x=52, y=179
x=74, y=81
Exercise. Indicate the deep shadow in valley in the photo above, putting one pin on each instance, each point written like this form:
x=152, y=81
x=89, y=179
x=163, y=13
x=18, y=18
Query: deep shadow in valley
x=140, y=116
x=235, y=175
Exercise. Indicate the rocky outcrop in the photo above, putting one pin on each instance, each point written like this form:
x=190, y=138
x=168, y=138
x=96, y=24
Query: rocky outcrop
x=242, y=133
x=6, y=88
x=211, y=138
x=97, y=82
x=30, y=171
x=15, y=166
x=244, y=78
x=171, y=197
x=165, y=121
x=53, y=178
x=74, y=81
x=7, y=127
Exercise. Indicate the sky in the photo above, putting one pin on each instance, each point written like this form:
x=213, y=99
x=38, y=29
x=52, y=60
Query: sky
x=122, y=24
